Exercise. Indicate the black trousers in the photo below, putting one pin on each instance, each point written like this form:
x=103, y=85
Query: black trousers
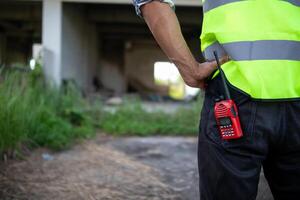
x=230, y=170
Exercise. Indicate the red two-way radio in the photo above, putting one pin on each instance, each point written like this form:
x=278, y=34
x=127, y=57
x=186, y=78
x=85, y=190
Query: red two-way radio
x=226, y=112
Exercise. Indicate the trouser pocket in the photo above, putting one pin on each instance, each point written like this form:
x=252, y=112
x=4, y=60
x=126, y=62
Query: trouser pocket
x=208, y=126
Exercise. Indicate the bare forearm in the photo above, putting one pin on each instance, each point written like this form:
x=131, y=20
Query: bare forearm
x=165, y=28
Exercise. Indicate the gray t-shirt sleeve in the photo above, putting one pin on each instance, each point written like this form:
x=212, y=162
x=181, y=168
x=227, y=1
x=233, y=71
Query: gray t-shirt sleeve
x=138, y=3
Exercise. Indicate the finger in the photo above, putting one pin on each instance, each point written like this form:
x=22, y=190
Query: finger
x=212, y=65
x=224, y=59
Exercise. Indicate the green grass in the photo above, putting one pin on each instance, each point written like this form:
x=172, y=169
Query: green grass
x=132, y=119
x=36, y=115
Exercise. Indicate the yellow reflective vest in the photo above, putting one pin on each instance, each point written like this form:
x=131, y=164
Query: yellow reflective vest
x=262, y=37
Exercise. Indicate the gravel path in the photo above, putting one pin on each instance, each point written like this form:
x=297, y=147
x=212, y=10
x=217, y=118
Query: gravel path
x=175, y=160
x=108, y=168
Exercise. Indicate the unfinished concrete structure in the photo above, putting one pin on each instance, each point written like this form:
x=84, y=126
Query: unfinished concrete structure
x=95, y=43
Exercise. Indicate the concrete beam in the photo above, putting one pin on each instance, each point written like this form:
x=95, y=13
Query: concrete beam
x=177, y=2
x=20, y=11
x=197, y=3
x=126, y=14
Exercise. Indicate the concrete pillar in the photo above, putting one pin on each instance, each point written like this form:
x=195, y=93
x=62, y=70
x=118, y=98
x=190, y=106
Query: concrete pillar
x=52, y=34
x=79, y=46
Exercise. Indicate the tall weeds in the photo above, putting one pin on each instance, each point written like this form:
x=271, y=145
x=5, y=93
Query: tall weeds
x=32, y=113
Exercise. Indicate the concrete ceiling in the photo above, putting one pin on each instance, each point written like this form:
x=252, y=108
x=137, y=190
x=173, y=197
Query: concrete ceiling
x=197, y=3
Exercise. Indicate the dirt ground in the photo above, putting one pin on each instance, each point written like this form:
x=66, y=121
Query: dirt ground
x=110, y=169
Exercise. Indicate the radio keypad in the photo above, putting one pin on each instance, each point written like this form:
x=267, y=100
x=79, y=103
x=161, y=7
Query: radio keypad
x=227, y=130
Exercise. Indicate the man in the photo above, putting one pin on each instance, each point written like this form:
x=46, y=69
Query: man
x=262, y=38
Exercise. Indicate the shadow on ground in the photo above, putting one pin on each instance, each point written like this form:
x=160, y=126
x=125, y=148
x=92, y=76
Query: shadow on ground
x=110, y=169
x=176, y=161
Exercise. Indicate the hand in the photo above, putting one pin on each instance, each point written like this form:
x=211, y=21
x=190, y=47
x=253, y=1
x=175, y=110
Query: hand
x=196, y=75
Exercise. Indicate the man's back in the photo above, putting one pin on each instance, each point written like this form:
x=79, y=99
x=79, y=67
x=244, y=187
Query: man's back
x=262, y=37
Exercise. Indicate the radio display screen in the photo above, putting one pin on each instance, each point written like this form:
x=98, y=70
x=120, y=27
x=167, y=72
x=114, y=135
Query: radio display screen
x=225, y=121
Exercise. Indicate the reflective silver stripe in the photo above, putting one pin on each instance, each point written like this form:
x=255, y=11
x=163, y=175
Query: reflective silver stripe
x=295, y=2
x=257, y=50
x=211, y=4
x=208, y=53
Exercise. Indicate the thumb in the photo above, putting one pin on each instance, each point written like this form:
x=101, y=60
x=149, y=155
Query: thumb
x=223, y=60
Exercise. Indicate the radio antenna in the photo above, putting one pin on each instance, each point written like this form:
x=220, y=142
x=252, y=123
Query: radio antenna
x=223, y=77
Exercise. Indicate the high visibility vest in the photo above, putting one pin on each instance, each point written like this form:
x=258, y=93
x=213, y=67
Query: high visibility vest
x=262, y=37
